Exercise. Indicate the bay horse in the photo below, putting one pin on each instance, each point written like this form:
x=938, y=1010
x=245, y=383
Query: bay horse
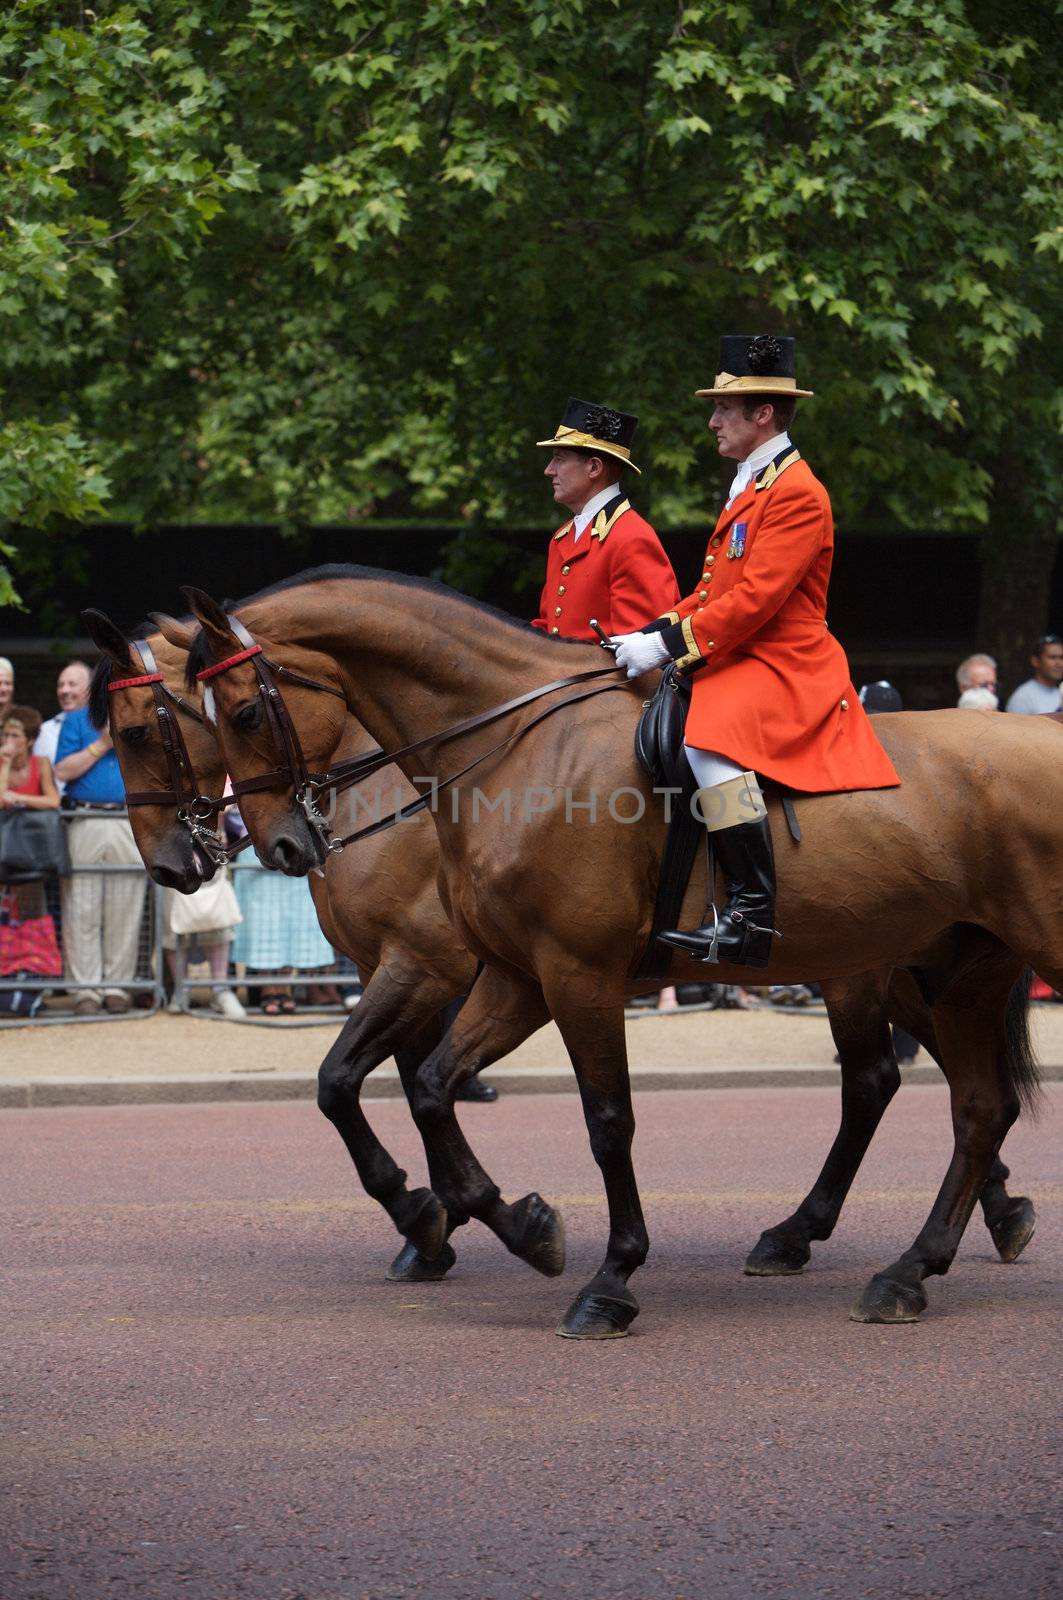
x=378, y=905
x=955, y=875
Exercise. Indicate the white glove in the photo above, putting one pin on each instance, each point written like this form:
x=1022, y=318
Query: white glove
x=638, y=652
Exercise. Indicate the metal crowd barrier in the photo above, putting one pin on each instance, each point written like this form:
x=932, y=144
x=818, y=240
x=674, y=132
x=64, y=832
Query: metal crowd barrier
x=272, y=918
x=60, y=993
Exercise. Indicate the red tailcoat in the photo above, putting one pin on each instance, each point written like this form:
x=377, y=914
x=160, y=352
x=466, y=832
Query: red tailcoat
x=771, y=686
x=617, y=573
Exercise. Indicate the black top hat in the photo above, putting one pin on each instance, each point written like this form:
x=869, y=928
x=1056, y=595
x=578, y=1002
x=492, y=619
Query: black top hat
x=755, y=363
x=586, y=426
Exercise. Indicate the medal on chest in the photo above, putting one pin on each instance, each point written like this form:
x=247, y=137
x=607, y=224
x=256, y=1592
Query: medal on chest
x=736, y=547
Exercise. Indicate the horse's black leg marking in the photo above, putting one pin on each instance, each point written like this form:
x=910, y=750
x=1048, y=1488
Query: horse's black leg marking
x=606, y=1307
x=986, y=1059
x=500, y=1013
x=410, y=1266
x=373, y=1032
x=1011, y=1219
x=870, y=1079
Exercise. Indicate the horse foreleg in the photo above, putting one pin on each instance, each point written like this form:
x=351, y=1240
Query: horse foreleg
x=502, y=1010
x=595, y=1039
x=395, y=1006
x=870, y=1078
x=985, y=1059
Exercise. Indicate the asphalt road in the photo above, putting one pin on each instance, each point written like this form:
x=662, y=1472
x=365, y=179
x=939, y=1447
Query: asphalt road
x=211, y=1392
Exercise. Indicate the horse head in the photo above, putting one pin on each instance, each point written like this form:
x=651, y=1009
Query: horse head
x=168, y=757
x=278, y=728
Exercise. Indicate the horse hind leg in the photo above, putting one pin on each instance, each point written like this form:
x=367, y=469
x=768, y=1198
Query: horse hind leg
x=870, y=1079
x=981, y=1028
x=1010, y=1219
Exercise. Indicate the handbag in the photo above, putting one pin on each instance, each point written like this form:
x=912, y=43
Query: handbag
x=32, y=845
x=213, y=905
x=28, y=945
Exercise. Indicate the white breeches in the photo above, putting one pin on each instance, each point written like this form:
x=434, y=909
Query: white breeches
x=709, y=769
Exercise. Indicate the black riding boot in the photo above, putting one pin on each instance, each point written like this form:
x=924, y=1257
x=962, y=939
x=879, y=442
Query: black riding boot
x=742, y=935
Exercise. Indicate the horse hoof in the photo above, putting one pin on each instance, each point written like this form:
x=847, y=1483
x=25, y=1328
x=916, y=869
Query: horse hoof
x=538, y=1235
x=410, y=1266
x=888, y=1300
x=597, y=1316
x=424, y=1223
x=1012, y=1232
x=772, y=1257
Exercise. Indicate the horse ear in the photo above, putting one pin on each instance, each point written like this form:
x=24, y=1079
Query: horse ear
x=210, y=614
x=107, y=637
x=179, y=634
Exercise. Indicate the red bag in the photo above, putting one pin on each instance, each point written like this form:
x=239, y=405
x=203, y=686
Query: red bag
x=29, y=946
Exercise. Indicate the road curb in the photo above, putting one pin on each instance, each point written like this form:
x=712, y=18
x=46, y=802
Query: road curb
x=41, y=1093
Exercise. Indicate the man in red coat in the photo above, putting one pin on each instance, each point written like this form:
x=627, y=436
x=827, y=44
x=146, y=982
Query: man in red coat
x=771, y=687
x=606, y=562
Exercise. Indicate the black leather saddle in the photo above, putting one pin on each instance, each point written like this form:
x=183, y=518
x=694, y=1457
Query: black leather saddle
x=659, y=735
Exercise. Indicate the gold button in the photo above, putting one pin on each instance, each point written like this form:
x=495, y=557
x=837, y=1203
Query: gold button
x=565, y=571
x=703, y=594
x=845, y=705
x=557, y=611
x=555, y=630
x=715, y=543
x=709, y=560
x=560, y=588
x=712, y=644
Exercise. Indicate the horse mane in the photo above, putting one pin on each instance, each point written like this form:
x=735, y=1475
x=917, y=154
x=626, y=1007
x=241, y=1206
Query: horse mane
x=348, y=572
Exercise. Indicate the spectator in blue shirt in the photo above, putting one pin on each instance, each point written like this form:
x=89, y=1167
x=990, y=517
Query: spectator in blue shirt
x=101, y=910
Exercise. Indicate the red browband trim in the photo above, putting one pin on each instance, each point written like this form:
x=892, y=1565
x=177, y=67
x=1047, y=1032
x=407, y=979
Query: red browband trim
x=134, y=683
x=230, y=661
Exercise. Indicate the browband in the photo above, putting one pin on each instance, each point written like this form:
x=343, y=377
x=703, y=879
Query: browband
x=230, y=661
x=134, y=683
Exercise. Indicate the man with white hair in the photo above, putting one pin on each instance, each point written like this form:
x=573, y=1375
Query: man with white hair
x=7, y=683
x=977, y=672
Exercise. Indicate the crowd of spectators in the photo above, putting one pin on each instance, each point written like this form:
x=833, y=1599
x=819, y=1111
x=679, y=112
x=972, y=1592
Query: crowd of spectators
x=89, y=930
x=264, y=924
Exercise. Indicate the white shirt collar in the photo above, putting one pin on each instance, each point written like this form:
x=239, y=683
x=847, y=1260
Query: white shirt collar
x=755, y=463
x=592, y=508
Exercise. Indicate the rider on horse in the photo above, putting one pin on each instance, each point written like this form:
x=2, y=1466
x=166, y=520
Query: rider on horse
x=606, y=562
x=771, y=687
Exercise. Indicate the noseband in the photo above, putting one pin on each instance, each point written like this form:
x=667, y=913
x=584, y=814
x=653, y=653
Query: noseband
x=197, y=811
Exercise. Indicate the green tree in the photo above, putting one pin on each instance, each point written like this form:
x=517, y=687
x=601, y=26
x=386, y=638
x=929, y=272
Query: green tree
x=308, y=259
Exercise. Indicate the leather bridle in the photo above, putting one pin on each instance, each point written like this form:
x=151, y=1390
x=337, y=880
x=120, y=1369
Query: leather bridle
x=292, y=772
x=199, y=812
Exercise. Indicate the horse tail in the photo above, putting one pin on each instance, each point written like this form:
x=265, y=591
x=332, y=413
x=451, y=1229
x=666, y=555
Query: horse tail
x=1020, y=1063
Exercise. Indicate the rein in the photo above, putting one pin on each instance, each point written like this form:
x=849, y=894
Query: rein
x=307, y=786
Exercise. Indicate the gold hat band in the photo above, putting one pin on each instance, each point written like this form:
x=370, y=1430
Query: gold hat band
x=573, y=439
x=729, y=383
x=570, y=438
